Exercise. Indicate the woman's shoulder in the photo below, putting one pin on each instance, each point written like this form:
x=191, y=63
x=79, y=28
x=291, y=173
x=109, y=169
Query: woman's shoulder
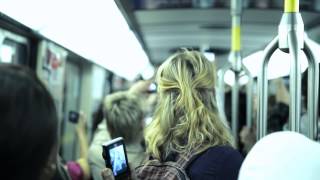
x=222, y=150
x=220, y=154
x=219, y=162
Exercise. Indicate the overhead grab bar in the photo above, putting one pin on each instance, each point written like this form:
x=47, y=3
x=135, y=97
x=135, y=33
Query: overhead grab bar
x=291, y=39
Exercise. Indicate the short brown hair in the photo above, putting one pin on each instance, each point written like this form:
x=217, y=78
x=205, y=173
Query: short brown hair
x=124, y=115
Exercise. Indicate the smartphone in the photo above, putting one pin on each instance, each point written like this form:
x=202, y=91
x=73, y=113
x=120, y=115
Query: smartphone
x=73, y=116
x=152, y=88
x=115, y=156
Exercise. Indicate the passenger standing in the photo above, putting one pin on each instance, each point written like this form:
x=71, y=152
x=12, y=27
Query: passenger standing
x=123, y=117
x=187, y=120
x=28, y=126
x=79, y=169
x=278, y=115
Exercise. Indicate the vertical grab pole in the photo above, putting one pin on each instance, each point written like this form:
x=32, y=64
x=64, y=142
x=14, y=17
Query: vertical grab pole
x=249, y=98
x=295, y=83
x=235, y=59
x=235, y=106
x=263, y=89
x=291, y=33
x=291, y=6
x=313, y=86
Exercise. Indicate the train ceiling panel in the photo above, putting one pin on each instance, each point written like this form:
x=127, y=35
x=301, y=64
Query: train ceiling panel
x=162, y=30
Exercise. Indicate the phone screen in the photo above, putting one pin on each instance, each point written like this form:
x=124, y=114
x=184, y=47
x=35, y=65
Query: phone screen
x=73, y=116
x=115, y=157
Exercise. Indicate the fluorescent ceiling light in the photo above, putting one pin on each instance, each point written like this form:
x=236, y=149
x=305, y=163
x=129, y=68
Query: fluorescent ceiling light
x=93, y=29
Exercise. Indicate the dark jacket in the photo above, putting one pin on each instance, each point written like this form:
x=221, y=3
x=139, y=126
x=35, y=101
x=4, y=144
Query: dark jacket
x=217, y=163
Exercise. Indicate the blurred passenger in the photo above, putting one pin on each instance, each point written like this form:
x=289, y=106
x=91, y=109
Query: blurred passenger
x=242, y=115
x=79, y=169
x=28, y=126
x=187, y=121
x=123, y=117
x=282, y=155
x=278, y=115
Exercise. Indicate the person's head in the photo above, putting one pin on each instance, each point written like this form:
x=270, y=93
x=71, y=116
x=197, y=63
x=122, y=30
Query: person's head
x=282, y=155
x=28, y=124
x=124, y=116
x=186, y=118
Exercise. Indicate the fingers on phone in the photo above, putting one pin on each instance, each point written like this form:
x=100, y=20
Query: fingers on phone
x=107, y=174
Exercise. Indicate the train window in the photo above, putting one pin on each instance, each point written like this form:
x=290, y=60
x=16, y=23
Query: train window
x=13, y=52
x=6, y=54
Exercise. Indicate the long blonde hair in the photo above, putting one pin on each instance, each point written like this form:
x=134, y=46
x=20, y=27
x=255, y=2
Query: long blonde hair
x=186, y=118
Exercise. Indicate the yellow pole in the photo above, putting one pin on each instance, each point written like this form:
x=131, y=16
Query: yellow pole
x=236, y=38
x=291, y=6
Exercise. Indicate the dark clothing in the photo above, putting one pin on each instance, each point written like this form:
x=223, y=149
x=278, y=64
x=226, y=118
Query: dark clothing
x=61, y=172
x=278, y=116
x=217, y=163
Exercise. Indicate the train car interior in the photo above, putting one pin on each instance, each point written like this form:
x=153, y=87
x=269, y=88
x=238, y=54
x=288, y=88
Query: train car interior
x=266, y=55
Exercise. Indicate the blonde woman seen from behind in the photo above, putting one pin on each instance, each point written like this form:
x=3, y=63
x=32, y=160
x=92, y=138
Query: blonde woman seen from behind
x=187, y=118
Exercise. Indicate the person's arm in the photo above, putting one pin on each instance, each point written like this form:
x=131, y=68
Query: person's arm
x=107, y=174
x=95, y=158
x=140, y=87
x=83, y=143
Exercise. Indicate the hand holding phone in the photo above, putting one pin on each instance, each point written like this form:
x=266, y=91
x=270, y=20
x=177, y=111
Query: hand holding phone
x=114, y=154
x=107, y=174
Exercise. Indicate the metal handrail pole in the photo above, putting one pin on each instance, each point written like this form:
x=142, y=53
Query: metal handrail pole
x=235, y=106
x=291, y=39
x=249, y=99
x=295, y=83
x=263, y=89
x=313, y=86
